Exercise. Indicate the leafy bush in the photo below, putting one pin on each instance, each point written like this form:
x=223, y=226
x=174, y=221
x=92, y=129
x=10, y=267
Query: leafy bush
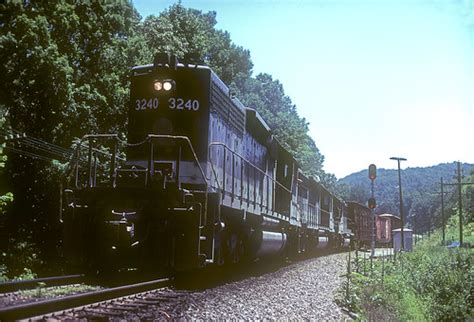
x=446, y=277
x=7, y=197
x=3, y=273
x=431, y=283
x=20, y=260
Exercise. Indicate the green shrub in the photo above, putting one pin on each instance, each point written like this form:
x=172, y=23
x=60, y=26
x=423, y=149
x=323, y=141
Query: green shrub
x=20, y=260
x=3, y=273
x=431, y=283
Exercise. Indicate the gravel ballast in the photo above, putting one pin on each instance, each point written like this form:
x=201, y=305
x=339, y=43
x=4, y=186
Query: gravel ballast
x=303, y=290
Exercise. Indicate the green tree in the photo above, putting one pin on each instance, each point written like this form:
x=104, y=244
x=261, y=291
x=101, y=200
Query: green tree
x=7, y=197
x=66, y=63
x=187, y=32
x=64, y=74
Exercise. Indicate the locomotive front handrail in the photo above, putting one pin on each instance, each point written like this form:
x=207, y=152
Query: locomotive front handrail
x=92, y=152
x=188, y=141
x=76, y=155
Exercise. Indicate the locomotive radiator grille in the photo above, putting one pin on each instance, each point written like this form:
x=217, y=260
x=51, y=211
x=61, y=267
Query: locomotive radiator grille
x=226, y=109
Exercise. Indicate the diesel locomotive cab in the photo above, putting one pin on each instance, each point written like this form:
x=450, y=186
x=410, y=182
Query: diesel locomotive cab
x=169, y=101
x=151, y=210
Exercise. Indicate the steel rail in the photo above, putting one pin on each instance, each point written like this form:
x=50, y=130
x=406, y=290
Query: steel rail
x=23, y=311
x=12, y=286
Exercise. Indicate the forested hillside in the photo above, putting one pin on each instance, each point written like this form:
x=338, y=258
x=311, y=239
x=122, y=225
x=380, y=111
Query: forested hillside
x=421, y=192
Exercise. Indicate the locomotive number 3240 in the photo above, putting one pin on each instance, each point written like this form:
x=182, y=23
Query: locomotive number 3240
x=173, y=104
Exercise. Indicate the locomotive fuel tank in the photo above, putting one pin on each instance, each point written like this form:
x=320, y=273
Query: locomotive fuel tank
x=268, y=243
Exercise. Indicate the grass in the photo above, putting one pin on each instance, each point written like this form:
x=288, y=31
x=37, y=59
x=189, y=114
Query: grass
x=451, y=234
x=430, y=283
x=49, y=292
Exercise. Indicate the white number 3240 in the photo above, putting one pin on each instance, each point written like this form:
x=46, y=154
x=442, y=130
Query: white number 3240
x=181, y=104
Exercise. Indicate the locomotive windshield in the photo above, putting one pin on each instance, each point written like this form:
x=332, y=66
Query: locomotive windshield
x=169, y=101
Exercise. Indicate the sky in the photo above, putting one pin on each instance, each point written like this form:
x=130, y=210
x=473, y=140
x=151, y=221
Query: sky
x=374, y=78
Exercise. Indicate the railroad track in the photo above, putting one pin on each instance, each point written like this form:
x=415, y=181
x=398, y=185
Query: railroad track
x=13, y=286
x=64, y=305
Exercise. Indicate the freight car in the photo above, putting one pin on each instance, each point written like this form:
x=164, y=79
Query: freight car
x=360, y=223
x=200, y=180
x=385, y=223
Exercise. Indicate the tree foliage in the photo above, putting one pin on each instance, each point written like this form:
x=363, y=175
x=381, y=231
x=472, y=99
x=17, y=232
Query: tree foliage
x=64, y=74
x=6, y=197
x=66, y=65
x=188, y=32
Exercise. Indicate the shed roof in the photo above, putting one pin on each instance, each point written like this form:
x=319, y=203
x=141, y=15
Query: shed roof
x=389, y=215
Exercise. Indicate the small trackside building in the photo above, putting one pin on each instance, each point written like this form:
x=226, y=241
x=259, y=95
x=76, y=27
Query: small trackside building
x=384, y=225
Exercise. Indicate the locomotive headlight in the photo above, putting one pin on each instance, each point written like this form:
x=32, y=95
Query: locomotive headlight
x=168, y=85
x=158, y=85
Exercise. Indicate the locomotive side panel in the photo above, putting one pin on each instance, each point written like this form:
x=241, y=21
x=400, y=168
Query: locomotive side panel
x=313, y=205
x=226, y=142
x=326, y=210
x=303, y=199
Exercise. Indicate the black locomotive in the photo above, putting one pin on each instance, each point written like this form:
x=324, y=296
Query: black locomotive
x=200, y=181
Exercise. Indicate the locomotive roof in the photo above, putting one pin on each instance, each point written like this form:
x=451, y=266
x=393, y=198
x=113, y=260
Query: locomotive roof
x=149, y=67
x=315, y=182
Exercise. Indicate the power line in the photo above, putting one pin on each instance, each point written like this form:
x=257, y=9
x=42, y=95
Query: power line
x=18, y=136
x=43, y=149
x=29, y=154
x=47, y=149
x=27, y=141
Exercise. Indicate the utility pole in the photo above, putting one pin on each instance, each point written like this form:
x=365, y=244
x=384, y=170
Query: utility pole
x=372, y=205
x=415, y=231
x=442, y=213
x=460, y=203
x=459, y=184
x=398, y=159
